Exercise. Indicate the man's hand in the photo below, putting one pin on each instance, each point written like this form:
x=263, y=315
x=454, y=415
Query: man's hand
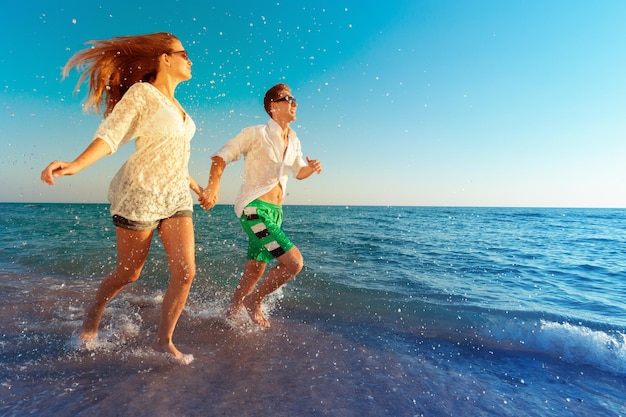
x=208, y=198
x=315, y=165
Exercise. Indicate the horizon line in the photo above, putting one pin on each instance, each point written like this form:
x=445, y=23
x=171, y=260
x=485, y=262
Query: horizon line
x=358, y=205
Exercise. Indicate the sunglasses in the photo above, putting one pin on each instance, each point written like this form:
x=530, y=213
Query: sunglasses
x=183, y=53
x=289, y=99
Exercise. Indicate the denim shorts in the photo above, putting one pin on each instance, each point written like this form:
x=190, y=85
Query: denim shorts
x=266, y=240
x=137, y=226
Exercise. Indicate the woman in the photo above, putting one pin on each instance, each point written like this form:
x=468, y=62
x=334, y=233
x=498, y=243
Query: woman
x=132, y=80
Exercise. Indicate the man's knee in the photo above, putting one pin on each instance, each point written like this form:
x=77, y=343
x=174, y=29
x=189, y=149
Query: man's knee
x=293, y=261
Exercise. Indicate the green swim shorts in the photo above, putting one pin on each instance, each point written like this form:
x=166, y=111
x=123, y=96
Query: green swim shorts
x=266, y=240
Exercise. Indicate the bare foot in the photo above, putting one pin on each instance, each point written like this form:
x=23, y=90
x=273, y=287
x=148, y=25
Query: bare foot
x=255, y=313
x=233, y=311
x=87, y=340
x=172, y=354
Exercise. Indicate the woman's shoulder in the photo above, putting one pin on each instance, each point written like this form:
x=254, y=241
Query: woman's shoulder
x=141, y=88
x=141, y=93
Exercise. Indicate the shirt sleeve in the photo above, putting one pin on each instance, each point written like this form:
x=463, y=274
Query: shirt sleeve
x=235, y=147
x=120, y=126
x=299, y=161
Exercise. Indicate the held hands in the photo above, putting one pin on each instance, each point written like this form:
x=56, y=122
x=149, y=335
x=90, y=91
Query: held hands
x=208, y=198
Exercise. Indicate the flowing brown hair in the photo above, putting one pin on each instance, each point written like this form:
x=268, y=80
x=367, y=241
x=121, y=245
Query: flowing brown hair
x=113, y=65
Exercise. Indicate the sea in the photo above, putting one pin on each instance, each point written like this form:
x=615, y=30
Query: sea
x=399, y=311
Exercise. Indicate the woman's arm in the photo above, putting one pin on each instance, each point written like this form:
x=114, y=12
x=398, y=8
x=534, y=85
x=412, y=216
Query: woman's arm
x=96, y=150
x=195, y=187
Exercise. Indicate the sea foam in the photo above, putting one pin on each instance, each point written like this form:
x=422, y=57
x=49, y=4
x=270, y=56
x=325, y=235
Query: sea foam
x=571, y=343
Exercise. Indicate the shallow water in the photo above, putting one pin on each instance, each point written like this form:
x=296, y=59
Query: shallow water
x=399, y=311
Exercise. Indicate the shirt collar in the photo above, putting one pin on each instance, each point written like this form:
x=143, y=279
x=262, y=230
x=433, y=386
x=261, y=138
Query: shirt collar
x=273, y=126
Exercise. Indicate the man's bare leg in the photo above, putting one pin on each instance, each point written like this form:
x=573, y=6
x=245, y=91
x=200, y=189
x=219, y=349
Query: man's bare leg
x=251, y=275
x=290, y=264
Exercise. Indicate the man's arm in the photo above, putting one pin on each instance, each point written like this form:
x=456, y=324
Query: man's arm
x=314, y=166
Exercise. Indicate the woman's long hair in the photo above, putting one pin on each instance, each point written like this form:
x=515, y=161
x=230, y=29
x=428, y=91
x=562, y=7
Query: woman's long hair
x=112, y=66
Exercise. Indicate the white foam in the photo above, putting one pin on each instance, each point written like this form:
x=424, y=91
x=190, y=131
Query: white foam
x=99, y=344
x=216, y=309
x=572, y=343
x=151, y=354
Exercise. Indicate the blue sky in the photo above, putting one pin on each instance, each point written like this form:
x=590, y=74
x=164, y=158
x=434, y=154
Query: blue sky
x=446, y=103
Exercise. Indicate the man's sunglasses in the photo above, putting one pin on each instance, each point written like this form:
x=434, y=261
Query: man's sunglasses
x=289, y=99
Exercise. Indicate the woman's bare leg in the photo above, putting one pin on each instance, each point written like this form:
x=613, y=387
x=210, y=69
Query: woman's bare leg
x=177, y=236
x=132, y=251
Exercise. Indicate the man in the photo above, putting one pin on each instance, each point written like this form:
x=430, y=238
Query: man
x=271, y=152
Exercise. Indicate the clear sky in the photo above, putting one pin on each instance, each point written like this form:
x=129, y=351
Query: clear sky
x=434, y=102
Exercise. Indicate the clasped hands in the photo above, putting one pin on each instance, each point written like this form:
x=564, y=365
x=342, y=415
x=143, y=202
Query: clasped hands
x=208, y=198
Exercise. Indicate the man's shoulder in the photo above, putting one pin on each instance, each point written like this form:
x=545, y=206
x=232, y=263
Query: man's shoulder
x=261, y=126
x=256, y=130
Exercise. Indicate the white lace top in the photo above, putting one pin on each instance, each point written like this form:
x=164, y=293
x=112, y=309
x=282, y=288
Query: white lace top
x=153, y=184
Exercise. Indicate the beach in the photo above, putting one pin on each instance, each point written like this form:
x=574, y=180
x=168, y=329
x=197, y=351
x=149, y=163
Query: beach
x=400, y=311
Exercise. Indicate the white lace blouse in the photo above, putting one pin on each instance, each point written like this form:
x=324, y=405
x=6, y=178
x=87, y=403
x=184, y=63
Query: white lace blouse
x=153, y=184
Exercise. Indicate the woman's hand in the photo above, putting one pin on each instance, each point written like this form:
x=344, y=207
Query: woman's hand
x=208, y=198
x=57, y=169
x=96, y=150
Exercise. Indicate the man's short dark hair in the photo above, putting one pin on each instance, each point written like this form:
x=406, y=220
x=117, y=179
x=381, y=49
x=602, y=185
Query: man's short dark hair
x=273, y=94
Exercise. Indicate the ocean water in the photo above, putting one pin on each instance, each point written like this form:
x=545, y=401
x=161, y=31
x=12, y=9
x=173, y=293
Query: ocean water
x=399, y=311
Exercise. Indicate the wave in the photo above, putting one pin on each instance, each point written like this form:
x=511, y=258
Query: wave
x=550, y=334
x=571, y=343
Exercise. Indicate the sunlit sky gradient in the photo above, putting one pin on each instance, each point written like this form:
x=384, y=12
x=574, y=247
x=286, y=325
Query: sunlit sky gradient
x=447, y=103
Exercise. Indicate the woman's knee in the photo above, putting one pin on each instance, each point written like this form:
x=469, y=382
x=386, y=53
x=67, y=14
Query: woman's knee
x=184, y=273
x=191, y=272
x=127, y=275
